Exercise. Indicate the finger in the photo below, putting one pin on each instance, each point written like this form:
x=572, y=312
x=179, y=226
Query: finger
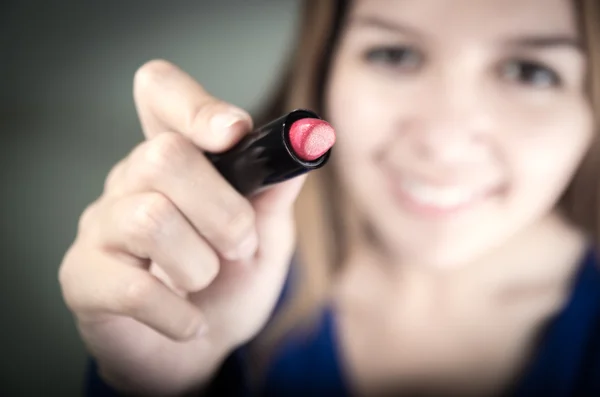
x=149, y=226
x=114, y=179
x=104, y=285
x=167, y=98
x=173, y=166
x=279, y=198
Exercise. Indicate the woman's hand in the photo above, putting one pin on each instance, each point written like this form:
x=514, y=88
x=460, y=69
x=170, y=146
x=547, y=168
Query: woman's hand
x=171, y=268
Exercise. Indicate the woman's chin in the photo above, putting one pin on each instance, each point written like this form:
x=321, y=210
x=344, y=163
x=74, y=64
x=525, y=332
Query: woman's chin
x=442, y=255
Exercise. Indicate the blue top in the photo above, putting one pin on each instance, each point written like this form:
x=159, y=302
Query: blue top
x=566, y=362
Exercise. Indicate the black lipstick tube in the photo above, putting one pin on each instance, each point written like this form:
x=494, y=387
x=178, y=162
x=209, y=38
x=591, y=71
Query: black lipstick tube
x=265, y=156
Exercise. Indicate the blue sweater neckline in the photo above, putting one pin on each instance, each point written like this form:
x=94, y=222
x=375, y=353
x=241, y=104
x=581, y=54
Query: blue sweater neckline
x=556, y=368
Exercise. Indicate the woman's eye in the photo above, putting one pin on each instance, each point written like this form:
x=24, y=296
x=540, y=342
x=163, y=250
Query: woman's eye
x=531, y=74
x=397, y=57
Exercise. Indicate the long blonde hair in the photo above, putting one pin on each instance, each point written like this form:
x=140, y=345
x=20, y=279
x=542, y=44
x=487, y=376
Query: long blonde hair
x=321, y=231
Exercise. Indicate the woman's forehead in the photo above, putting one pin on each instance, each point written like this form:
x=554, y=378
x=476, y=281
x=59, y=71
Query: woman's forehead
x=481, y=16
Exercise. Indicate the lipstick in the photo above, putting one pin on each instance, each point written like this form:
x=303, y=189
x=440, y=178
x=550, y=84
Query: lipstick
x=289, y=146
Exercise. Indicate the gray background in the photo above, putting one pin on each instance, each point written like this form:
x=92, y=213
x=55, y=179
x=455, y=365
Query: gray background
x=66, y=115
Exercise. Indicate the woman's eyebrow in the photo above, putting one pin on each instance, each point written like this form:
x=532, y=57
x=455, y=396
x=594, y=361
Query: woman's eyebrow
x=371, y=21
x=545, y=41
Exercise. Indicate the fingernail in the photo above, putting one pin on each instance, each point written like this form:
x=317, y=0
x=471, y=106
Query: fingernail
x=221, y=122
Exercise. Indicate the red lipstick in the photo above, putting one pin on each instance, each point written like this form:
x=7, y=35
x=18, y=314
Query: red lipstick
x=291, y=145
x=311, y=138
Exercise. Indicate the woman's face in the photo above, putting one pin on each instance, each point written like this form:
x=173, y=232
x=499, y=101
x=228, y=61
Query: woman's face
x=459, y=122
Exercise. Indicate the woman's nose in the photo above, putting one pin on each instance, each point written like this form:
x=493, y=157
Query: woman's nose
x=452, y=123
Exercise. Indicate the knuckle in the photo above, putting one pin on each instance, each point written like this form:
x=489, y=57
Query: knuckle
x=137, y=293
x=238, y=224
x=64, y=276
x=189, y=326
x=165, y=152
x=150, y=73
x=66, y=281
x=202, y=279
x=87, y=217
x=151, y=218
x=114, y=176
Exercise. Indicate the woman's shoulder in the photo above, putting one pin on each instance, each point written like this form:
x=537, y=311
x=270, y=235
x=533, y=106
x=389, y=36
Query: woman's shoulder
x=583, y=317
x=568, y=359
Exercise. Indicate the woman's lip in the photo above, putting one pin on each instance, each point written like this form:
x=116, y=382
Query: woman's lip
x=437, y=199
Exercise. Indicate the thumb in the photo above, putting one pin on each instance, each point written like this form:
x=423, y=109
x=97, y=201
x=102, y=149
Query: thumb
x=279, y=198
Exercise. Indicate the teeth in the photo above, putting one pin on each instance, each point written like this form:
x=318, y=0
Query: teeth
x=444, y=197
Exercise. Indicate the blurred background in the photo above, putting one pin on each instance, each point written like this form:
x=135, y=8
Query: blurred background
x=67, y=115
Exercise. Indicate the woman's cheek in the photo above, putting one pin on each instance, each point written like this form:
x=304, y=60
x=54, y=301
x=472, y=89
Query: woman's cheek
x=361, y=113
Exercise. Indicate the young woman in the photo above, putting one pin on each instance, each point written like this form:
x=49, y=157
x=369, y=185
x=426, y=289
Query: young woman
x=447, y=249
